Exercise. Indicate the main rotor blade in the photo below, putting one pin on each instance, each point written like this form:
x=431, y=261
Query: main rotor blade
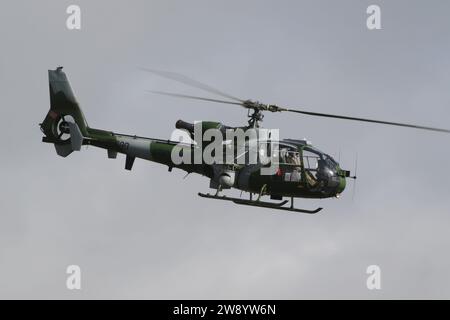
x=190, y=82
x=317, y=114
x=177, y=95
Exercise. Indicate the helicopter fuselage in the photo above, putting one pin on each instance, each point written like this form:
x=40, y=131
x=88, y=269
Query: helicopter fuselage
x=287, y=168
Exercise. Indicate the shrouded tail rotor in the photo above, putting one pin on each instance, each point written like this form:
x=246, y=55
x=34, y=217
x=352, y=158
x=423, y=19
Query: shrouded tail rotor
x=64, y=124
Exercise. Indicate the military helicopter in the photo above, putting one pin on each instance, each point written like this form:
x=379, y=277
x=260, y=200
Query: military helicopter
x=302, y=171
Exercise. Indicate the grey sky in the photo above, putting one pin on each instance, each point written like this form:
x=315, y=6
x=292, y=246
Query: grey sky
x=146, y=233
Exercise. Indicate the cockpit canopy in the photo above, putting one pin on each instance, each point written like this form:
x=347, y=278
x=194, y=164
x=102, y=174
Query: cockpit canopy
x=317, y=165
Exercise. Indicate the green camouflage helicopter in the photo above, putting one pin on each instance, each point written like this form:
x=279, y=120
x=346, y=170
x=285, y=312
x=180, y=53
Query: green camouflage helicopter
x=302, y=171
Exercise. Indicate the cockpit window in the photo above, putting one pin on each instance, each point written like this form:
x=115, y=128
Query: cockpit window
x=317, y=166
x=290, y=156
x=319, y=154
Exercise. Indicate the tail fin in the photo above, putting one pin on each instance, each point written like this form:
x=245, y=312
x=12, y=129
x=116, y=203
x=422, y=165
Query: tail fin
x=64, y=124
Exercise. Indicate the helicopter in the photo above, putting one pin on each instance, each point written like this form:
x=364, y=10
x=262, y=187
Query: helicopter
x=300, y=170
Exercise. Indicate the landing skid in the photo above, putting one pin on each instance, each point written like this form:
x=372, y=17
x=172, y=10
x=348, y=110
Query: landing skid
x=258, y=203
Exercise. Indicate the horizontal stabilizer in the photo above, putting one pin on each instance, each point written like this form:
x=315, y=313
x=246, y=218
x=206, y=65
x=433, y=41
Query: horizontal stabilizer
x=63, y=150
x=73, y=144
x=76, y=138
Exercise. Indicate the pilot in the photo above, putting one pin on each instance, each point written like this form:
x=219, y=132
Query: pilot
x=293, y=158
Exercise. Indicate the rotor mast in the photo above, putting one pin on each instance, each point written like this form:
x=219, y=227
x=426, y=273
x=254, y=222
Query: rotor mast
x=256, y=109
